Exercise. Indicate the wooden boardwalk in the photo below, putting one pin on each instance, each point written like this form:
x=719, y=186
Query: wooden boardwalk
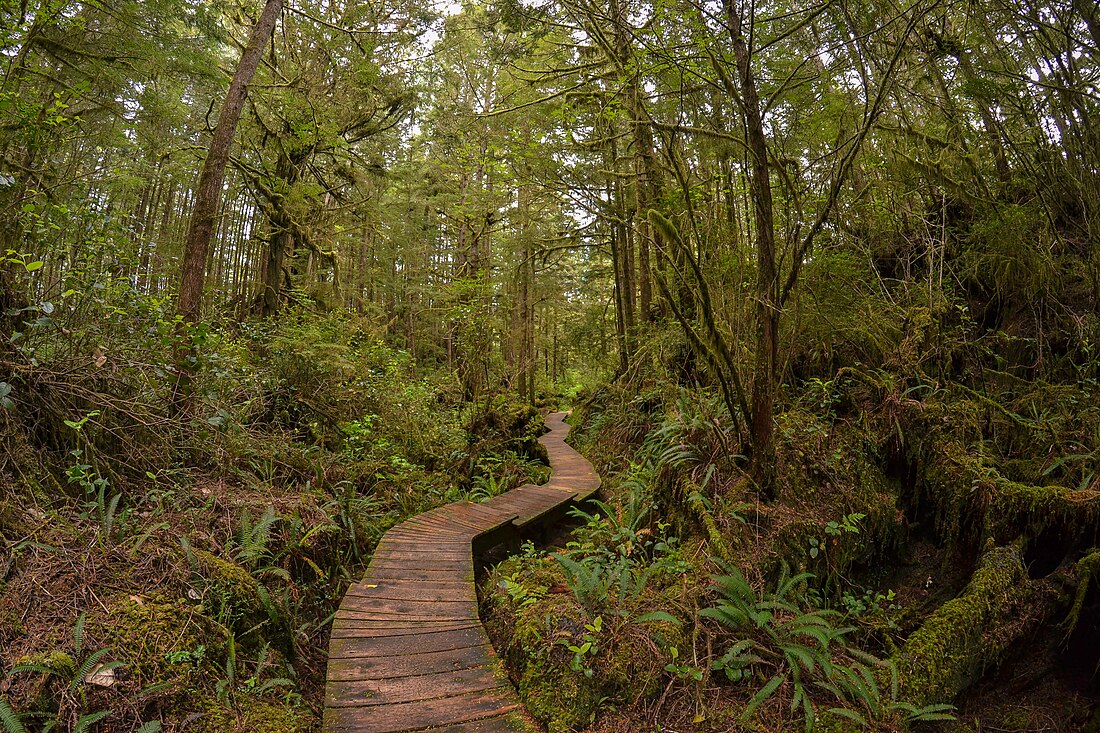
x=408, y=652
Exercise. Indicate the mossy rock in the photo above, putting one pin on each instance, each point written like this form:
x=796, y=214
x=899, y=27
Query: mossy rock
x=559, y=697
x=959, y=641
x=538, y=625
x=146, y=632
x=234, y=581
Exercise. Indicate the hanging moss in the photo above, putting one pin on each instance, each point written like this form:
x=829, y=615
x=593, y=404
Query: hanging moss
x=1088, y=572
x=959, y=641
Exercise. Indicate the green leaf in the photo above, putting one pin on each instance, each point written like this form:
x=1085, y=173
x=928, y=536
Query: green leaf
x=729, y=616
x=32, y=266
x=761, y=695
x=658, y=616
x=78, y=632
x=11, y=721
x=851, y=715
x=85, y=722
x=32, y=668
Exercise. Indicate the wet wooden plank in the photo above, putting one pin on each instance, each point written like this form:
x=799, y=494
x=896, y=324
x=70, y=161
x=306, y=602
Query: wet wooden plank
x=408, y=665
x=507, y=723
x=358, y=693
x=357, y=647
x=420, y=563
x=411, y=716
x=366, y=628
x=398, y=590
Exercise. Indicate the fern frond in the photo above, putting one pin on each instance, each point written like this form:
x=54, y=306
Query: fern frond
x=761, y=696
x=85, y=722
x=33, y=668
x=88, y=665
x=12, y=721
x=78, y=633
x=658, y=616
x=847, y=714
x=729, y=616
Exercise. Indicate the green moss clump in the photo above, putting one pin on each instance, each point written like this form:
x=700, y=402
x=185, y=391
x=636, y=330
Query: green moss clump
x=1088, y=571
x=144, y=632
x=57, y=661
x=235, y=583
x=534, y=625
x=558, y=696
x=958, y=641
x=252, y=715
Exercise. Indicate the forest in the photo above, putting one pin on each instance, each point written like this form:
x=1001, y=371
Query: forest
x=819, y=282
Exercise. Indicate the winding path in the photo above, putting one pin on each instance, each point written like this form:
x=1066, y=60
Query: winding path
x=408, y=652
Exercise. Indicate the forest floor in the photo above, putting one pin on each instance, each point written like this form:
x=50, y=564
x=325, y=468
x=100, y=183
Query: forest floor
x=951, y=623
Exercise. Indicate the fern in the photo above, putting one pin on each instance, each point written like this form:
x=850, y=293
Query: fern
x=588, y=584
x=90, y=663
x=78, y=634
x=761, y=696
x=253, y=538
x=806, y=652
x=658, y=616
x=928, y=713
x=12, y=721
x=85, y=722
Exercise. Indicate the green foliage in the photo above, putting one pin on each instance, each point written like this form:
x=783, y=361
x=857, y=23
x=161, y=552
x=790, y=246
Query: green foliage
x=11, y=720
x=71, y=672
x=786, y=644
x=615, y=555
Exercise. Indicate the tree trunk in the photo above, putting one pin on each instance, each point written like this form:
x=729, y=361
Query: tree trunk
x=201, y=225
x=767, y=276
x=208, y=194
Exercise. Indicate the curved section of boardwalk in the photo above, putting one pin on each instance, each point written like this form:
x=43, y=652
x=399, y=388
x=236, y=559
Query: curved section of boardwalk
x=408, y=652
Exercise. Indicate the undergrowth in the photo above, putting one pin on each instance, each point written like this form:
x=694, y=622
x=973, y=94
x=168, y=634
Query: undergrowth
x=197, y=573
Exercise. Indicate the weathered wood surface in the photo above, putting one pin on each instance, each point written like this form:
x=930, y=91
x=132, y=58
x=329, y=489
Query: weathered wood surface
x=408, y=651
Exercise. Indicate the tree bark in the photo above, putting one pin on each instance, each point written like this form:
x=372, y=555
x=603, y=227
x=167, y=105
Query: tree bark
x=767, y=276
x=200, y=228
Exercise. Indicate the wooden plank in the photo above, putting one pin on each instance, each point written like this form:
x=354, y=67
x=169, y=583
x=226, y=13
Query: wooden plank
x=421, y=714
x=408, y=665
x=420, y=563
x=427, y=552
x=507, y=723
x=366, y=629
x=414, y=574
x=359, y=693
x=397, y=590
x=407, y=609
x=356, y=647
